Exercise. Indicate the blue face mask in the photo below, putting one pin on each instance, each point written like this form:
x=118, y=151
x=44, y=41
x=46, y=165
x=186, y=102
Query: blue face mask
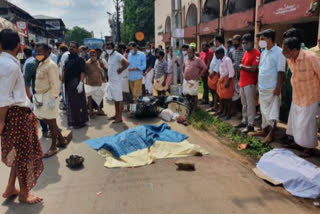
x=132, y=51
x=148, y=51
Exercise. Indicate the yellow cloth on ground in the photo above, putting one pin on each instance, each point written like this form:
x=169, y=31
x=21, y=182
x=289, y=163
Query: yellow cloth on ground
x=159, y=150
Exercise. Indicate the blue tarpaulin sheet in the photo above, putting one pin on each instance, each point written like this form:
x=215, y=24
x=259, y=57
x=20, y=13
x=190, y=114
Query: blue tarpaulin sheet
x=137, y=138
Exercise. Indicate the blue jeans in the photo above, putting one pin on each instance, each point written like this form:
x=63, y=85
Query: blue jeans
x=63, y=97
x=44, y=126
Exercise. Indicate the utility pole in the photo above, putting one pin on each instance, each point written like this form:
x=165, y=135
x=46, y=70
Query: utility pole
x=173, y=40
x=118, y=37
x=180, y=39
x=176, y=34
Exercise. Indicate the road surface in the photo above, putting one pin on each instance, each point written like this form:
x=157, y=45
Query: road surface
x=221, y=184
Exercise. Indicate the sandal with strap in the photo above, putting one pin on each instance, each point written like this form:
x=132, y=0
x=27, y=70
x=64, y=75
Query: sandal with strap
x=50, y=153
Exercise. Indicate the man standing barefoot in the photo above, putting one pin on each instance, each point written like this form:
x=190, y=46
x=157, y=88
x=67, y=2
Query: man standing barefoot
x=20, y=145
x=116, y=65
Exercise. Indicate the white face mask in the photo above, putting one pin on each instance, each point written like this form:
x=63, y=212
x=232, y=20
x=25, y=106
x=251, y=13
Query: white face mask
x=184, y=53
x=262, y=44
x=148, y=51
x=109, y=51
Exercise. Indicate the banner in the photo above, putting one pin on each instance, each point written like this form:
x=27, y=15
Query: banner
x=93, y=43
x=23, y=27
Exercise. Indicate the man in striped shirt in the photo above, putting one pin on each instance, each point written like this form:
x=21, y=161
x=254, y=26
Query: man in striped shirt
x=305, y=67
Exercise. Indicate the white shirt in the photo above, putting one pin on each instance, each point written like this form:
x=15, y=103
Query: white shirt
x=271, y=62
x=54, y=58
x=63, y=60
x=114, y=64
x=226, y=67
x=125, y=73
x=215, y=63
x=12, y=87
x=30, y=59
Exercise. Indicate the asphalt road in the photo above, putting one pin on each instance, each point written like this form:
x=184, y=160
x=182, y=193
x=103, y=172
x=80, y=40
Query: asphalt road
x=222, y=182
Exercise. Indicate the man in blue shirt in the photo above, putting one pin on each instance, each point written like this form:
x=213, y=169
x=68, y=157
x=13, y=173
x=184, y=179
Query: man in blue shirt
x=272, y=69
x=138, y=62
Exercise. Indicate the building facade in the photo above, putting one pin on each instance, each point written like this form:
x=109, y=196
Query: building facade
x=36, y=28
x=203, y=19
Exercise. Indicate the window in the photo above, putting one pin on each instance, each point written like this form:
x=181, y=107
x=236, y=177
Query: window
x=192, y=15
x=210, y=11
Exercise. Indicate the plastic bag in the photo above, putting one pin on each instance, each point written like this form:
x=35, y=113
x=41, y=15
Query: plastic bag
x=167, y=115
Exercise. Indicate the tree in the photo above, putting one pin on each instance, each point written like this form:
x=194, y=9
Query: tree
x=138, y=15
x=77, y=34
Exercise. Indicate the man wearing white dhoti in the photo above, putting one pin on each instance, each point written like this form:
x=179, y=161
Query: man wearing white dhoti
x=271, y=77
x=305, y=80
x=116, y=65
x=94, y=83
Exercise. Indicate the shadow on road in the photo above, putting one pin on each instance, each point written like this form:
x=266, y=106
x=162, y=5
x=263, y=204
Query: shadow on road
x=16, y=207
x=50, y=174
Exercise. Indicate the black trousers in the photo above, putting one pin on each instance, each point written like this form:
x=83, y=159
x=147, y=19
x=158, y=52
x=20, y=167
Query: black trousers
x=205, y=97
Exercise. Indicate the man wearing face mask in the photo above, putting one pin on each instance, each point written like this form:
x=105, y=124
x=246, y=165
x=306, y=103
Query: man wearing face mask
x=193, y=69
x=206, y=56
x=94, y=80
x=117, y=64
x=29, y=74
x=305, y=80
x=236, y=57
x=214, y=69
x=271, y=77
x=185, y=52
x=247, y=82
x=225, y=84
x=148, y=73
x=47, y=88
x=73, y=77
x=138, y=63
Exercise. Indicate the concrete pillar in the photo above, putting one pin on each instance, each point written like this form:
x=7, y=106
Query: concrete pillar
x=198, y=25
x=221, y=15
x=319, y=27
x=256, y=24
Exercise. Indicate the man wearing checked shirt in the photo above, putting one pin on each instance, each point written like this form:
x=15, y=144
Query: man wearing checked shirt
x=137, y=61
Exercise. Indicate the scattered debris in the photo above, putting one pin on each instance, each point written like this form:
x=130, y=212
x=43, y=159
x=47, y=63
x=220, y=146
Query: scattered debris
x=182, y=120
x=74, y=161
x=185, y=166
x=242, y=146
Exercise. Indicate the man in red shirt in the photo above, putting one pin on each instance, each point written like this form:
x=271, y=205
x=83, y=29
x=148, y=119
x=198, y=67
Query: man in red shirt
x=206, y=56
x=248, y=81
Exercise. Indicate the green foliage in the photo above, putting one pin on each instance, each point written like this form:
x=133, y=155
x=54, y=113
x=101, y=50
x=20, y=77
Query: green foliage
x=204, y=121
x=77, y=34
x=138, y=15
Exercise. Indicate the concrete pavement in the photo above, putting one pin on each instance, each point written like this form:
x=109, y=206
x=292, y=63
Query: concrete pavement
x=221, y=184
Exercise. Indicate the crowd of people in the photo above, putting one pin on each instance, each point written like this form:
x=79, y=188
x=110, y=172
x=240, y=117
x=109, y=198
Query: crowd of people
x=76, y=78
